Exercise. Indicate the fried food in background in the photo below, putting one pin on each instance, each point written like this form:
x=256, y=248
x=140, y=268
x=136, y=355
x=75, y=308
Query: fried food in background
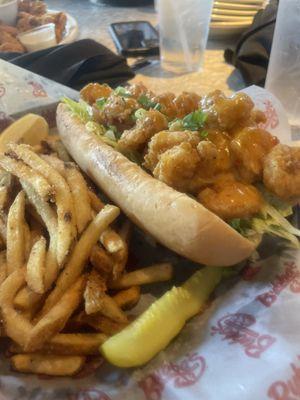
x=53, y=328
x=32, y=14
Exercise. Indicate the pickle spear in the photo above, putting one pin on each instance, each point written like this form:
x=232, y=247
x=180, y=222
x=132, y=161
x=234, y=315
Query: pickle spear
x=153, y=330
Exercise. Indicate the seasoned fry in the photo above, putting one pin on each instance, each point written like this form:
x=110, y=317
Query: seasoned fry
x=54, y=144
x=15, y=234
x=16, y=326
x=96, y=203
x=2, y=266
x=81, y=253
x=47, y=364
x=12, y=164
x=49, y=218
x=111, y=241
x=101, y=261
x=100, y=323
x=27, y=241
x=79, y=190
x=66, y=230
x=54, y=321
x=4, y=197
x=36, y=267
x=94, y=292
x=128, y=298
x=155, y=273
x=76, y=344
x=3, y=230
x=121, y=256
x=26, y=300
x=96, y=300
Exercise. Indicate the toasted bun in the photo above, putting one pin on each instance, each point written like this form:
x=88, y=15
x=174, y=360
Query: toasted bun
x=172, y=218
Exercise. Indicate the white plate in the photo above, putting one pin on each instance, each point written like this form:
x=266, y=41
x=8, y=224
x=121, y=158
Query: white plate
x=257, y=2
x=242, y=13
x=234, y=6
x=71, y=31
x=220, y=30
x=230, y=18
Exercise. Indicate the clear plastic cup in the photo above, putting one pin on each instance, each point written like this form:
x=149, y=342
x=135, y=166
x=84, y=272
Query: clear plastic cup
x=283, y=77
x=183, y=29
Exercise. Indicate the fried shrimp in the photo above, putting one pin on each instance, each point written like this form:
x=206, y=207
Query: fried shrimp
x=117, y=111
x=147, y=125
x=249, y=148
x=227, y=112
x=93, y=91
x=177, y=106
x=230, y=199
x=165, y=140
x=281, y=173
x=177, y=167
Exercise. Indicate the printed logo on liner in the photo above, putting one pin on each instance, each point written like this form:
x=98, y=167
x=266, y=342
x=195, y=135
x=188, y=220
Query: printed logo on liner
x=182, y=374
x=235, y=328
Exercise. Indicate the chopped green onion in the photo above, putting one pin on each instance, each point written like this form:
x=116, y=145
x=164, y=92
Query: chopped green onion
x=194, y=121
x=140, y=114
x=203, y=134
x=100, y=103
x=121, y=91
x=148, y=103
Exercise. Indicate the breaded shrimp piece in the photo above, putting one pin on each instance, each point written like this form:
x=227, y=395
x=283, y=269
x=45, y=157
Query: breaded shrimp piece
x=94, y=91
x=281, y=172
x=249, y=148
x=149, y=124
x=231, y=199
x=165, y=140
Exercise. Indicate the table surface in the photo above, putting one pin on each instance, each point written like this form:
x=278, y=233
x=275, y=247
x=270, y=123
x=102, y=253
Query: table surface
x=94, y=20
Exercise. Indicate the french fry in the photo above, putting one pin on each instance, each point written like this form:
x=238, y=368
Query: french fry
x=94, y=292
x=100, y=323
x=96, y=203
x=16, y=326
x=4, y=197
x=36, y=266
x=49, y=218
x=66, y=229
x=79, y=190
x=16, y=167
x=128, y=298
x=54, y=321
x=47, y=364
x=3, y=230
x=80, y=254
x=154, y=273
x=111, y=241
x=101, y=261
x=3, y=266
x=15, y=234
x=96, y=300
x=54, y=144
x=121, y=256
x=26, y=300
x=76, y=344
x=27, y=241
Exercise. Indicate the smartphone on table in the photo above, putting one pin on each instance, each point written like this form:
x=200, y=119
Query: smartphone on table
x=135, y=38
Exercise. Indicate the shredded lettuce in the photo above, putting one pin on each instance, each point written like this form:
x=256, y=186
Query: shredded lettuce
x=85, y=113
x=270, y=221
x=81, y=109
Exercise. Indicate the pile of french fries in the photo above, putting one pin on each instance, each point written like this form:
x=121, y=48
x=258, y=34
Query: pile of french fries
x=63, y=285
